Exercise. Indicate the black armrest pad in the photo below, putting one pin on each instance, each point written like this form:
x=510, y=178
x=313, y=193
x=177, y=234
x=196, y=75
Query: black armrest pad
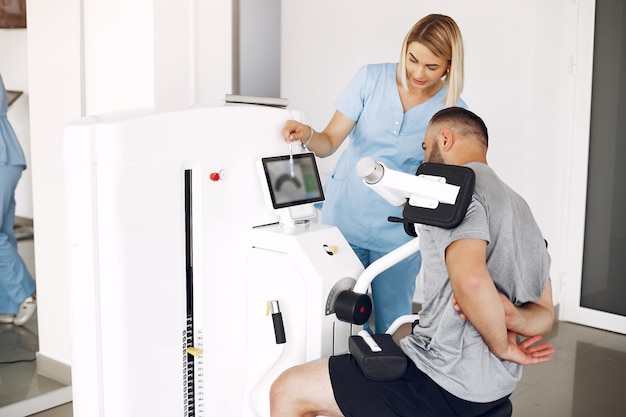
x=386, y=365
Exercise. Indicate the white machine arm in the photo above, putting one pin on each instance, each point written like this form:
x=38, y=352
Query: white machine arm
x=396, y=187
x=432, y=196
x=384, y=263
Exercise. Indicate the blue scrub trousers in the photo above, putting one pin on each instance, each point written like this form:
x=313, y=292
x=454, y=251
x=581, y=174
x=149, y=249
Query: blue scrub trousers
x=16, y=283
x=393, y=289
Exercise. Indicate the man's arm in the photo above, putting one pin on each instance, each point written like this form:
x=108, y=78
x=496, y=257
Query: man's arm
x=476, y=294
x=531, y=318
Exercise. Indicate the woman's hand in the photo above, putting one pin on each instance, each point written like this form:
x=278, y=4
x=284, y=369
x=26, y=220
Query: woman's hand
x=323, y=143
x=295, y=131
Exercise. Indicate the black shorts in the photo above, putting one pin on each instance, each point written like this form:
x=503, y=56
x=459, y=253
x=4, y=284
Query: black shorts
x=412, y=395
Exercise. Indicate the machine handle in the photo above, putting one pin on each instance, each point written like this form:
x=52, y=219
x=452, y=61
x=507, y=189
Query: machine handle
x=279, y=326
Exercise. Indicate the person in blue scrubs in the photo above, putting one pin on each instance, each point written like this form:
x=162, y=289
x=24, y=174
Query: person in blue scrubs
x=17, y=287
x=385, y=109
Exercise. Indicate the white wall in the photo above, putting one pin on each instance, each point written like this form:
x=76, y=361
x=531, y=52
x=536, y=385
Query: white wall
x=55, y=82
x=518, y=79
x=14, y=70
x=88, y=57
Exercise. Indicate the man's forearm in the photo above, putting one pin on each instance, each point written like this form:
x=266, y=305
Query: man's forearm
x=481, y=305
x=531, y=318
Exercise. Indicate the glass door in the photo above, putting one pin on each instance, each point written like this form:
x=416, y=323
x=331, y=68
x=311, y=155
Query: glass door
x=599, y=299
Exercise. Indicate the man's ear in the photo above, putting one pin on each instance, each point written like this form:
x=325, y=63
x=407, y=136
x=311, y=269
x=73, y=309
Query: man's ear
x=447, y=138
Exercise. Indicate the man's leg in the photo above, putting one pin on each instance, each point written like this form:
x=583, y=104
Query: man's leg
x=304, y=390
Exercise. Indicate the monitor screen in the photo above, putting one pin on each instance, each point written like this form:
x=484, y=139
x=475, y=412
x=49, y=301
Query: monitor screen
x=287, y=190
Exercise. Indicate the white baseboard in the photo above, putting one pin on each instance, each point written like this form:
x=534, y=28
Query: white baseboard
x=51, y=369
x=37, y=404
x=54, y=369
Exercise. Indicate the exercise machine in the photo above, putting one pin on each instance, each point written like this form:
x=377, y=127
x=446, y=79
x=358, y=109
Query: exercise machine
x=182, y=274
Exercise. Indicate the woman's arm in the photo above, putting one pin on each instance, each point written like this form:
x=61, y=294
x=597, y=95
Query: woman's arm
x=323, y=143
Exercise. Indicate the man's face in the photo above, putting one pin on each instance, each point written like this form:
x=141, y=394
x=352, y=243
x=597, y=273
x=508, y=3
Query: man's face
x=431, y=147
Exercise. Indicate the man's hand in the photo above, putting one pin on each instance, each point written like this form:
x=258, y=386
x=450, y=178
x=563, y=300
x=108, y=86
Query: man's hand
x=524, y=353
x=529, y=319
x=512, y=316
x=457, y=308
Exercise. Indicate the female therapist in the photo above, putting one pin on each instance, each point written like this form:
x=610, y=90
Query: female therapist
x=385, y=109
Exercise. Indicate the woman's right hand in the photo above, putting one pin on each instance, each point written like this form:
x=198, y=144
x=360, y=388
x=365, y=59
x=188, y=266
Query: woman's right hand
x=295, y=131
x=323, y=143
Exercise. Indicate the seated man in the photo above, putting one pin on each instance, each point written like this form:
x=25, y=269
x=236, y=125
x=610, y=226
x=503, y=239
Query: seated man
x=493, y=268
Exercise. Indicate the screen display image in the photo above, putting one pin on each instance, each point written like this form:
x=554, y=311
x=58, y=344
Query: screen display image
x=286, y=190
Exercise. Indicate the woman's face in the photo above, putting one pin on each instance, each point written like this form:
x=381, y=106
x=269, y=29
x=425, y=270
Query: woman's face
x=423, y=68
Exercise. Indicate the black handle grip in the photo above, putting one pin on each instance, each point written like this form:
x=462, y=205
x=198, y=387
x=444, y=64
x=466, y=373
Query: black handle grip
x=279, y=328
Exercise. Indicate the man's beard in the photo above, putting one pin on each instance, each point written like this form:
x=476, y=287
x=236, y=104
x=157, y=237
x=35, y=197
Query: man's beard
x=435, y=155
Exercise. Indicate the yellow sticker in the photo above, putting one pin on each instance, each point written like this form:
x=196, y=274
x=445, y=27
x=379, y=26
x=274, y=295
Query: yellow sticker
x=194, y=351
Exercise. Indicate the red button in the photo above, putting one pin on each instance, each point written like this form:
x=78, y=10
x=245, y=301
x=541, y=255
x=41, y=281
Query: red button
x=214, y=176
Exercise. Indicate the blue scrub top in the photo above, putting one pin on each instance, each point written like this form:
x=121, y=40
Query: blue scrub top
x=389, y=135
x=10, y=150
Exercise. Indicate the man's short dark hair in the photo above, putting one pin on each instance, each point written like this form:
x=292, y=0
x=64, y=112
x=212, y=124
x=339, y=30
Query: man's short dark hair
x=467, y=122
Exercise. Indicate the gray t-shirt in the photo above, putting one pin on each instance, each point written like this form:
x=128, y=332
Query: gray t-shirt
x=450, y=350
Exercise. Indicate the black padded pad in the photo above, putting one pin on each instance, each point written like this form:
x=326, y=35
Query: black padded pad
x=446, y=216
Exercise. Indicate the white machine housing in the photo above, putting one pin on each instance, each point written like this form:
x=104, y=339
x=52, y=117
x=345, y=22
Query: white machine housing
x=174, y=257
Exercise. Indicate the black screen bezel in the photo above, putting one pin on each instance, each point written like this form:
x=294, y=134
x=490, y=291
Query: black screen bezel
x=309, y=156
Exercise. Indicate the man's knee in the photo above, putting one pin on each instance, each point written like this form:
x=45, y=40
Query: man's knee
x=279, y=392
x=301, y=390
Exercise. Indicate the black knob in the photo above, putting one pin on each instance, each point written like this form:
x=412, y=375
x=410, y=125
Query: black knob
x=353, y=307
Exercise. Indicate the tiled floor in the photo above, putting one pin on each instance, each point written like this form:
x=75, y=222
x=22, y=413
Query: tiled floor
x=586, y=378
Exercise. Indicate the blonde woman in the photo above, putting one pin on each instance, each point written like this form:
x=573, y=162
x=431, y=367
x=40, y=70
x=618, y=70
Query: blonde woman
x=385, y=109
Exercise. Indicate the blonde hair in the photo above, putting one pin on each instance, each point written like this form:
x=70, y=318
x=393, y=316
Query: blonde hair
x=441, y=35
